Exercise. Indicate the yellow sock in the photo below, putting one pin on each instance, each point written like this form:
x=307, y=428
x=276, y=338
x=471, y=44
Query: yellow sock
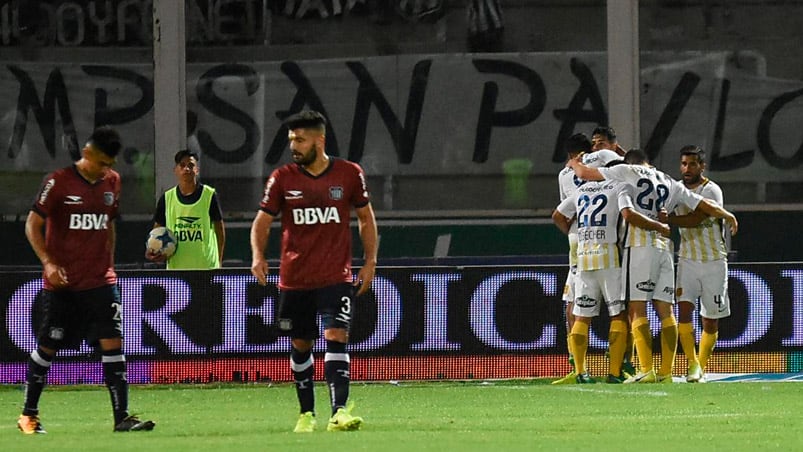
x=629, y=346
x=617, y=343
x=579, y=340
x=707, y=341
x=686, y=336
x=669, y=344
x=642, y=337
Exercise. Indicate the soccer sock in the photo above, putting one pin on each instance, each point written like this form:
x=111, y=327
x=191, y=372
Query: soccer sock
x=336, y=370
x=35, y=379
x=579, y=340
x=669, y=344
x=303, y=366
x=571, y=352
x=642, y=337
x=707, y=342
x=114, y=374
x=617, y=343
x=686, y=336
x=629, y=344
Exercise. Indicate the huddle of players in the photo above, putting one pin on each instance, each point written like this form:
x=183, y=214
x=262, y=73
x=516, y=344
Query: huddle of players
x=615, y=209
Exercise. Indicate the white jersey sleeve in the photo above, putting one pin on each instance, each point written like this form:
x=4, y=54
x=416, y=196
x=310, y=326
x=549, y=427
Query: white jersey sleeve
x=567, y=183
x=622, y=173
x=599, y=159
x=568, y=207
x=680, y=195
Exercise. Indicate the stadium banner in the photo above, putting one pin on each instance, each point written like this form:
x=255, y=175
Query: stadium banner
x=416, y=323
x=451, y=114
x=129, y=23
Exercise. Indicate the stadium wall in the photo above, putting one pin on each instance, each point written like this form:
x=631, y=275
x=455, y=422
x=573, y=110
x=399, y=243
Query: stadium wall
x=440, y=322
x=483, y=241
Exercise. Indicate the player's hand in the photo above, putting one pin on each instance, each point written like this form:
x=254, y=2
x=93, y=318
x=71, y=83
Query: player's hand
x=259, y=268
x=663, y=216
x=56, y=275
x=154, y=256
x=665, y=230
x=364, y=278
x=732, y=223
x=577, y=160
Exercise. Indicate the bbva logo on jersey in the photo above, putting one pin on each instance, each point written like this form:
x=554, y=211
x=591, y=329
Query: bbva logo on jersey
x=89, y=221
x=316, y=215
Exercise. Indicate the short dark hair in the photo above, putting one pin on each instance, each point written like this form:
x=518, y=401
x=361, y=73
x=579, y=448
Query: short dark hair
x=306, y=119
x=692, y=149
x=185, y=153
x=636, y=157
x=577, y=143
x=106, y=140
x=609, y=133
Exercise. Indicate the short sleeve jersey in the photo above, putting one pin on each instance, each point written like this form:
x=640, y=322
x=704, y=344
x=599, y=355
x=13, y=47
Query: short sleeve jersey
x=568, y=184
x=78, y=216
x=315, y=215
x=651, y=190
x=596, y=207
x=706, y=241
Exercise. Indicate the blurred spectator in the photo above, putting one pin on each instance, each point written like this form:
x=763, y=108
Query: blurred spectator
x=485, y=26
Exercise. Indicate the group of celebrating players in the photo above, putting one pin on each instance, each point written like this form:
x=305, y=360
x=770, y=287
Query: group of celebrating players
x=617, y=211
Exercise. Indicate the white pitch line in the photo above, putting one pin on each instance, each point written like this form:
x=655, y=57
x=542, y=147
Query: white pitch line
x=609, y=391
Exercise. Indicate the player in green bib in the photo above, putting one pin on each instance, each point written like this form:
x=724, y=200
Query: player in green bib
x=192, y=212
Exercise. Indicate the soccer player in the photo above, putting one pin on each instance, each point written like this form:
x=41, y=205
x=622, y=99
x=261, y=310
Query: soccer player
x=576, y=145
x=315, y=195
x=192, y=211
x=648, y=266
x=602, y=138
x=567, y=186
x=605, y=138
x=595, y=205
x=702, y=272
x=71, y=229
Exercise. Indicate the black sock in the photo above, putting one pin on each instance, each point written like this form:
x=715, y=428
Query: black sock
x=114, y=374
x=303, y=367
x=35, y=380
x=336, y=370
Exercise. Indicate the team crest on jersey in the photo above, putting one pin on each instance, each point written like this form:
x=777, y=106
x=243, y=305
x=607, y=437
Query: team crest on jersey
x=336, y=193
x=108, y=198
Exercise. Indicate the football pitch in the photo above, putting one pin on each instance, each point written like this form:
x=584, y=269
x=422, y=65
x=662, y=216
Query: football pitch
x=422, y=416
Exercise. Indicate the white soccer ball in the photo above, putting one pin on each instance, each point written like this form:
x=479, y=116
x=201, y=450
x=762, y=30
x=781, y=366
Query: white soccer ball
x=161, y=241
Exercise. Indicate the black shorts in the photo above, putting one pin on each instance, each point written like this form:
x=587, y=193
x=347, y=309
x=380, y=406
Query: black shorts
x=68, y=317
x=298, y=309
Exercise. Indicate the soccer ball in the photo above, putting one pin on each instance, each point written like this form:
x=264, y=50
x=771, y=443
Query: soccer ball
x=161, y=241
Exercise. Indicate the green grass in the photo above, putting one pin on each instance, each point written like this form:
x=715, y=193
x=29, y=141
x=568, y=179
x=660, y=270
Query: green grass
x=447, y=416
